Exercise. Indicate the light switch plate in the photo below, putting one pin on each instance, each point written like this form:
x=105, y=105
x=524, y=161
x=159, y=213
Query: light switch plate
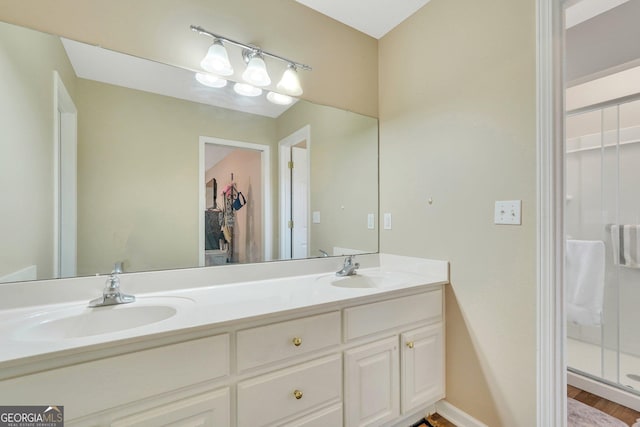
x=371, y=221
x=315, y=217
x=508, y=212
x=387, y=221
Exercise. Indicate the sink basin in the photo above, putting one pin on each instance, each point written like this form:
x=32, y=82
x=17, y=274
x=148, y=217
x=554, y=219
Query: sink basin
x=82, y=321
x=370, y=279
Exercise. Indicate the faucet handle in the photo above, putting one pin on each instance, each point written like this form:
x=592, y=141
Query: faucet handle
x=112, y=283
x=117, y=268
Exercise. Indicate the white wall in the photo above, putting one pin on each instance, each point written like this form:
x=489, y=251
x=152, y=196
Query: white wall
x=27, y=62
x=457, y=124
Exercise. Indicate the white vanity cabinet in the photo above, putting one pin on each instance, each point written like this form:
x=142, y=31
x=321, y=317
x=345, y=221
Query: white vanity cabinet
x=372, y=392
x=371, y=361
x=422, y=366
x=398, y=374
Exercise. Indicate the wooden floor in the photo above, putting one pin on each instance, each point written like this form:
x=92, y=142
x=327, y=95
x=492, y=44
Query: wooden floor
x=437, y=420
x=620, y=412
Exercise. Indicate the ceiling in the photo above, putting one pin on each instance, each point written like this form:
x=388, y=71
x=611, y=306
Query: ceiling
x=602, y=42
x=95, y=63
x=582, y=10
x=373, y=17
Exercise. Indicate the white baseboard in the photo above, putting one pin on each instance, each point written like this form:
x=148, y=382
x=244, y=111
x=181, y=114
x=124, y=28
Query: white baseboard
x=605, y=391
x=457, y=416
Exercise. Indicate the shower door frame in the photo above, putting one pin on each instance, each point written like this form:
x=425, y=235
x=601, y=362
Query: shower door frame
x=614, y=391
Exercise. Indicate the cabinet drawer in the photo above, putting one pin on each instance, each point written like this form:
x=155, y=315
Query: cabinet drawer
x=204, y=410
x=272, y=397
x=119, y=380
x=376, y=317
x=328, y=417
x=266, y=344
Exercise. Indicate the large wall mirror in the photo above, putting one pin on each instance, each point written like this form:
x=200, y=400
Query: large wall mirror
x=107, y=158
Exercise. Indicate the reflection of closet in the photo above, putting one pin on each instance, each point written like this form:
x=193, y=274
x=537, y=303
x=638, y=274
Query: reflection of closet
x=220, y=221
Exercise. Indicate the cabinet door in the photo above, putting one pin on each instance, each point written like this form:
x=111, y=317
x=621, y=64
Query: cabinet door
x=209, y=409
x=422, y=364
x=372, y=383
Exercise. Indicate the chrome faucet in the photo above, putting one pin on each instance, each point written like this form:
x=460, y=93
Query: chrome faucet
x=349, y=268
x=111, y=294
x=324, y=253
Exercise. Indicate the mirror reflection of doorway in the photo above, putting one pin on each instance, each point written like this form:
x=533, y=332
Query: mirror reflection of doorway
x=65, y=182
x=294, y=194
x=232, y=202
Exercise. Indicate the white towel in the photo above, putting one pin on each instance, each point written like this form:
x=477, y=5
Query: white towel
x=625, y=240
x=584, y=281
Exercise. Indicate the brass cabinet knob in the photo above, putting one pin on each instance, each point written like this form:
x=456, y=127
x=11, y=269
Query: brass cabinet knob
x=297, y=394
x=410, y=344
x=297, y=341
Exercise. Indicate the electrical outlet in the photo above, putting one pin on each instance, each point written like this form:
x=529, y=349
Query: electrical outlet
x=371, y=221
x=387, y=221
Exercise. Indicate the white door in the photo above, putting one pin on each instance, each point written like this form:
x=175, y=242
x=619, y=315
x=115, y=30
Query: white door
x=294, y=154
x=372, y=386
x=299, y=195
x=422, y=361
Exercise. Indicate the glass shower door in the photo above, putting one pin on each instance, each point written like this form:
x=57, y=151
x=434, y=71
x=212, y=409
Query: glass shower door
x=602, y=198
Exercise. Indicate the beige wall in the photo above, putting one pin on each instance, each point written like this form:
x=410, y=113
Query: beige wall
x=344, y=179
x=457, y=121
x=344, y=60
x=246, y=167
x=27, y=62
x=138, y=174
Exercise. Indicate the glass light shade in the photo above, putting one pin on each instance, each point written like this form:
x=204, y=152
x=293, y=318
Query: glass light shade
x=290, y=83
x=278, y=98
x=256, y=72
x=217, y=60
x=210, y=80
x=246, y=90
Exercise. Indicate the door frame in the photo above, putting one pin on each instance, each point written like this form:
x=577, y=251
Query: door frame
x=302, y=134
x=65, y=142
x=551, y=366
x=265, y=155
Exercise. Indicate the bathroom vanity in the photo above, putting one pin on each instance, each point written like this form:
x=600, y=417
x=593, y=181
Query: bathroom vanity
x=295, y=350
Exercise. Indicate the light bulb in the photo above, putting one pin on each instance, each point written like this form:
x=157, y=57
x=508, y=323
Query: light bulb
x=290, y=83
x=246, y=90
x=256, y=72
x=278, y=98
x=210, y=80
x=217, y=60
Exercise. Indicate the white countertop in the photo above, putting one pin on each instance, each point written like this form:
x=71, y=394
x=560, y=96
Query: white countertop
x=21, y=329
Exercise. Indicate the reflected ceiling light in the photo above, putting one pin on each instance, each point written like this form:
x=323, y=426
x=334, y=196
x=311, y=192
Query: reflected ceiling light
x=290, y=83
x=210, y=80
x=278, y=98
x=217, y=60
x=247, y=90
x=256, y=72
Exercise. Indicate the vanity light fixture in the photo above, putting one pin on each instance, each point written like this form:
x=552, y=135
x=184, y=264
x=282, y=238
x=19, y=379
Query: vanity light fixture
x=210, y=80
x=290, y=83
x=279, y=99
x=246, y=89
x=256, y=71
x=217, y=59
